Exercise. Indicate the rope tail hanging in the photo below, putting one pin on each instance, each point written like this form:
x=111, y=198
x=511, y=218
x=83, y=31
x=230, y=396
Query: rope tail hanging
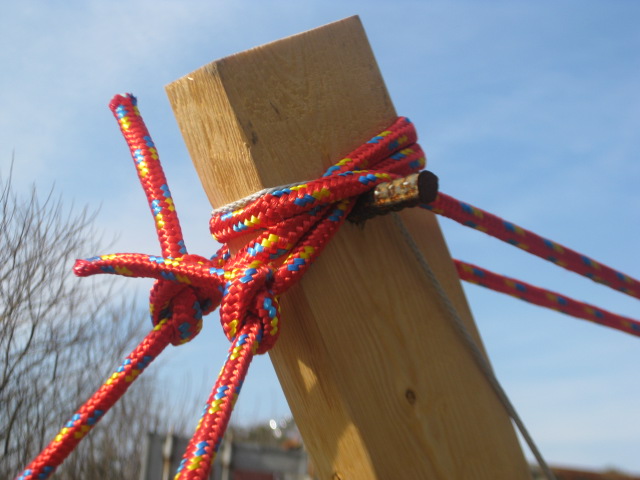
x=560, y=255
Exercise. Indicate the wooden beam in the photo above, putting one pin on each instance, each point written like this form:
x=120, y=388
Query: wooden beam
x=375, y=376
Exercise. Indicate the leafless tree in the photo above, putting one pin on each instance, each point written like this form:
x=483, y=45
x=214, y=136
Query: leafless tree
x=60, y=338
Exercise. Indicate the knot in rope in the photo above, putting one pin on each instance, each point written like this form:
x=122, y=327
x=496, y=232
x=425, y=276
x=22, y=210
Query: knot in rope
x=248, y=297
x=177, y=298
x=184, y=289
x=292, y=224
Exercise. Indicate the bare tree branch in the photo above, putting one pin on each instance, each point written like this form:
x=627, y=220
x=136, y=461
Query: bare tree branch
x=60, y=338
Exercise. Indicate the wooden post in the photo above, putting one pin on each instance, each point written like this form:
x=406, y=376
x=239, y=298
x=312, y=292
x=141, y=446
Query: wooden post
x=376, y=378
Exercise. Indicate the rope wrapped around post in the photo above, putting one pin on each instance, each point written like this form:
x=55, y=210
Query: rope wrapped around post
x=295, y=224
x=474, y=217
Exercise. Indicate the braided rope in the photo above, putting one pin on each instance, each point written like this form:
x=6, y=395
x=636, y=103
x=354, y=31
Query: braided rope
x=528, y=241
x=295, y=223
x=99, y=403
x=176, y=307
x=545, y=298
x=238, y=204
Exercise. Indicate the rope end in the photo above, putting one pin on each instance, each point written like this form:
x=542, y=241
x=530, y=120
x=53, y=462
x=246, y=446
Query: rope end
x=82, y=268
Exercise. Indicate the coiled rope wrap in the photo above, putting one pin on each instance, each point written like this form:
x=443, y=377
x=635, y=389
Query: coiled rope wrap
x=295, y=222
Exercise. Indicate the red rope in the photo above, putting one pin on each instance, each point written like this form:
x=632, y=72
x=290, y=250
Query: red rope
x=295, y=223
x=528, y=241
x=100, y=402
x=545, y=298
x=176, y=305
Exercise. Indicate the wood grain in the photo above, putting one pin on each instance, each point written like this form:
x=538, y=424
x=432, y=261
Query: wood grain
x=376, y=378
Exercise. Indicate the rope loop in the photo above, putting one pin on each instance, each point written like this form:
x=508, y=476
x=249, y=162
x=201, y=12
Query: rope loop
x=186, y=288
x=177, y=298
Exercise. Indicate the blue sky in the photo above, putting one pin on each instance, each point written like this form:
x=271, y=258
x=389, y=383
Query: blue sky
x=530, y=110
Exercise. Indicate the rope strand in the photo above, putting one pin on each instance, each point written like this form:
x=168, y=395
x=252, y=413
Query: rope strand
x=545, y=298
x=530, y=242
x=99, y=403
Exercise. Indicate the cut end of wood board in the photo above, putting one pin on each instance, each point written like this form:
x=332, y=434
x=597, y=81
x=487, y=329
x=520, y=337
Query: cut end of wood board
x=277, y=105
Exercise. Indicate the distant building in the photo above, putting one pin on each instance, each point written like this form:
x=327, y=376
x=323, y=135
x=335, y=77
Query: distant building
x=574, y=474
x=275, y=452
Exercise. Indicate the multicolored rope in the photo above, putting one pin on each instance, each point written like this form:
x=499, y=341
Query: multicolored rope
x=545, y=298
x=179, y=298
x=100, y=402
x=292, y=225
x=530, y=242
x=295, y=223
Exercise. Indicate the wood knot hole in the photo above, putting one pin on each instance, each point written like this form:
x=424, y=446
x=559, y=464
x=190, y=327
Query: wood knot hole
x=410, y=395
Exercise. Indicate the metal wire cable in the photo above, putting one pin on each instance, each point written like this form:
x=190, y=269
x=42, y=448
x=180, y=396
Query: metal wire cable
x=473, y=348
